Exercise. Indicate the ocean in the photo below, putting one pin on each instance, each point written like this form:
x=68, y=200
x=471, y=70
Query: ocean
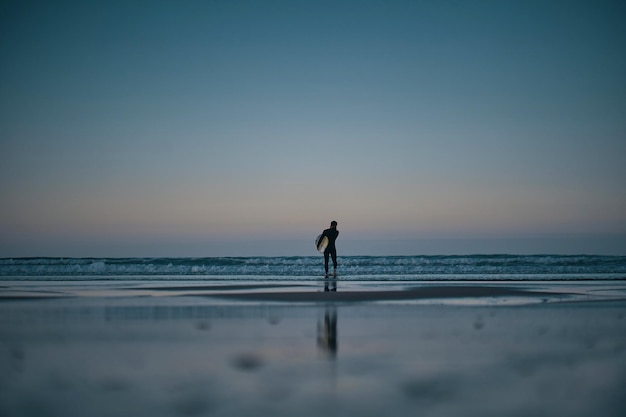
x=482, y=335
x=351, y=268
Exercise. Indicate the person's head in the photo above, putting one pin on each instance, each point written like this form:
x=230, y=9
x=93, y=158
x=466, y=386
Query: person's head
x=333, y=224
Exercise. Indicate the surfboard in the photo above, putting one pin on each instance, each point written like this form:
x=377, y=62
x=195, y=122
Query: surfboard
x=321, y=243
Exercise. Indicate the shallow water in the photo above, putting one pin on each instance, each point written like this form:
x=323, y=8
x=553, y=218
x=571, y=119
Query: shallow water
x=117, y=350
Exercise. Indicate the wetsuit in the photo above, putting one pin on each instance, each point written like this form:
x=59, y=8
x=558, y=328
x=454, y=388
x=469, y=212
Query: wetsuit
x=331, y=250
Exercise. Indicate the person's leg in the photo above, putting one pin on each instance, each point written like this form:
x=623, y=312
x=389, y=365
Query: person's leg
x=326, y=255
x=333, y=254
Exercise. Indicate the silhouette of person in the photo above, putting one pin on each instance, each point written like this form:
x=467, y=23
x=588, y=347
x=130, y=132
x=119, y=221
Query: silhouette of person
x=331, y=251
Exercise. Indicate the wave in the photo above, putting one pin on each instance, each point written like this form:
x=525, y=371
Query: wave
x=350, y=266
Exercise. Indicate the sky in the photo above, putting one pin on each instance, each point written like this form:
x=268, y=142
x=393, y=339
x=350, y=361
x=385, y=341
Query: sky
x=237, y=128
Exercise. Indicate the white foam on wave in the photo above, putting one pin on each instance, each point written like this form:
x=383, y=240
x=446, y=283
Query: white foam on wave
x=490, y=267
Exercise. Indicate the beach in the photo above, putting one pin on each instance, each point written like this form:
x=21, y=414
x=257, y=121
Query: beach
x=192, y=348
x=166, y=167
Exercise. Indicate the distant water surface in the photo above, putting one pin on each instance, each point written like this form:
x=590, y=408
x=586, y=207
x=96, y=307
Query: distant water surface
x=351, y=268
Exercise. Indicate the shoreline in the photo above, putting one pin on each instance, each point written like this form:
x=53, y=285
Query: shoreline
x=321, y=291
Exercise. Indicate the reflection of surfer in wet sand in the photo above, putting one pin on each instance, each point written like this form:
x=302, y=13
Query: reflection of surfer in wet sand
x=327, y=332
x=331, y=250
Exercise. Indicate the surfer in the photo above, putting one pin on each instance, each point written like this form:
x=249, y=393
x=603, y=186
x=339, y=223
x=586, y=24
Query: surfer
x=331, y=250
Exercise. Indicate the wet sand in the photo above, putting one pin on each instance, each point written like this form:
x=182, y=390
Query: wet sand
x=280, y=349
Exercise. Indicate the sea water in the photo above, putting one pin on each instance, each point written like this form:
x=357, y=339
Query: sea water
x=99, y=337
x=351, y=268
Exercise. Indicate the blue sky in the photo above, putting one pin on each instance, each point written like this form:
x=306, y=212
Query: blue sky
x=212, y=128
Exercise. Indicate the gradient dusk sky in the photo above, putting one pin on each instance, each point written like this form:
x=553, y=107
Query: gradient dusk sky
x=217, y=128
